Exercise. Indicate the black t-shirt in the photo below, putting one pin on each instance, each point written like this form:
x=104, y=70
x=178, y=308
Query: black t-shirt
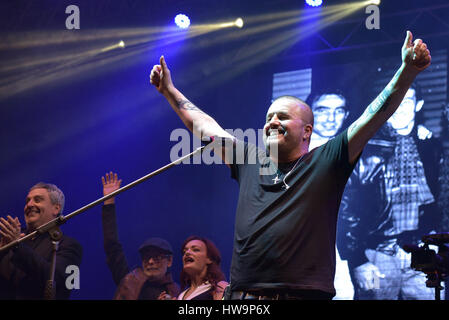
x=24, y=270
x=285, y=237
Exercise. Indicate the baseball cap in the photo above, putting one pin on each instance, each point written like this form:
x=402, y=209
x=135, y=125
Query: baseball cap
x=156, y=243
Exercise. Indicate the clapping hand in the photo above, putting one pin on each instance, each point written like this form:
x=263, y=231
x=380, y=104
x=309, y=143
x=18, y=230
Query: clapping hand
x=9, y=230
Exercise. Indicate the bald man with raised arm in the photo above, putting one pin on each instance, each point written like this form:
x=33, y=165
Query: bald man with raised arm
x=284, y=239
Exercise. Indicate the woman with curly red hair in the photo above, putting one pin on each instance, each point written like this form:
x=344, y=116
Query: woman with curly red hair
x=201, y=275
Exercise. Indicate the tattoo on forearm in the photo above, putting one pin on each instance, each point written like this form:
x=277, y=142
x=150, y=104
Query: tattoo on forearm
x=381, y=103
x=385, y=104
x=187, y=105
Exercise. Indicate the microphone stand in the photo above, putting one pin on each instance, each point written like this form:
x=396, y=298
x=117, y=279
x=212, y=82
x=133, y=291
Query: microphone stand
x=50, y=288
x=52, y=227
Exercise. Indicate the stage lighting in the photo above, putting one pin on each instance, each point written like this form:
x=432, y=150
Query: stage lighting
x=314, y=3
x=376, y=2
x=182, y=21
x=239, y=22
x=121, y=44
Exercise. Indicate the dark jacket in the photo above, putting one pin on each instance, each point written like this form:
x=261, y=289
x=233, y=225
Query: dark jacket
x=365, y=208
x=131, y=285
x=24, y=270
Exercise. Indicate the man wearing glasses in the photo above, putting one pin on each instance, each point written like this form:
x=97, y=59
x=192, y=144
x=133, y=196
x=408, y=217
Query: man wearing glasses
x=392, y=203
x=153, y=277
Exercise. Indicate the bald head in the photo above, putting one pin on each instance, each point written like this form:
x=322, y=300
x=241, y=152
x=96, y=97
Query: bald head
x=288, y=125
x=303, y=109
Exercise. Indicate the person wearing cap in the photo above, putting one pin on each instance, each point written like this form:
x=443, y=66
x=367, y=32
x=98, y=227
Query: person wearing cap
x=153, y=277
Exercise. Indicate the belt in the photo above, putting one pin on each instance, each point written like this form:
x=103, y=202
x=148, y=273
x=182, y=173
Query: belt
x=281, y=295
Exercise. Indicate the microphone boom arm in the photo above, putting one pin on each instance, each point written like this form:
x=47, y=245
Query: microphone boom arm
x=63, y=219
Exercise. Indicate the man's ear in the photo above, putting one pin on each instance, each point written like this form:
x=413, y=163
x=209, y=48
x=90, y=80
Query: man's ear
x=419, y=105
x=308, y=129
x=57, y=208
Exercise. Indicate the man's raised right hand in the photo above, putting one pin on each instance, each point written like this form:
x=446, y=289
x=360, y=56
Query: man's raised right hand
x=160, y=76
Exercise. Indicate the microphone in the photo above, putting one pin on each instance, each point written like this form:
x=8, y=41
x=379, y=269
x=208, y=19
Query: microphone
x=207, y=140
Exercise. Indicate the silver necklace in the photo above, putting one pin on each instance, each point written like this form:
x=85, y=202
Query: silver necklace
x=276, y=179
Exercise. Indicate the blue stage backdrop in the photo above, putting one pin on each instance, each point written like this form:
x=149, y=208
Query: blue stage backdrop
x=69, y=119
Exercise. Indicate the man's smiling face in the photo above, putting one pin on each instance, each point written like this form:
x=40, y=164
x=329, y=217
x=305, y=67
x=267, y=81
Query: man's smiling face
x=39, y=208
x=285, y=126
